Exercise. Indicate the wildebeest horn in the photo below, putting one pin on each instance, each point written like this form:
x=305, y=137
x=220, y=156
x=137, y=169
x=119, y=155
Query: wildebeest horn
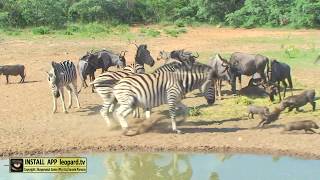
x=124, y=53
x=317, y=60
x=196, y=55
x=133, y=43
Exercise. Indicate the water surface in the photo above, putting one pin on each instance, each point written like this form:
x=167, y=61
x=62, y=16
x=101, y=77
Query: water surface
x=139, y=166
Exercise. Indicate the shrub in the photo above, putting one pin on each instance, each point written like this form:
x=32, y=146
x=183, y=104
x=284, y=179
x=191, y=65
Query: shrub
x=291, y=51
x=194, y=111
x=40, y=30
x=243, y=100
x=175, y=32
x=150, y=32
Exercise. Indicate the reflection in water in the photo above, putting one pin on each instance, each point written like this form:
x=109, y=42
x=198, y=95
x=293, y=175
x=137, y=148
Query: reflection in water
x=154, y=166
x=142, y=166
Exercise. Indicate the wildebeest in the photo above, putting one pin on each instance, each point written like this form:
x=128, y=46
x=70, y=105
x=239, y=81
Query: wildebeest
x=252, y=109
x=179, y=55
x=269, y=117
x=306, y=125
x=221, y=69
x=296, y=101
x=247, y=64
x=103, y=59
x=258, y=91
x=280, y=72
x=13, y=70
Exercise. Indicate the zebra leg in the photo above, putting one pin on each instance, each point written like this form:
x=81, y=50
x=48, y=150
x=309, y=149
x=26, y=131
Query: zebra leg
x=75, y=92
x=70, y=96
x=105, y=113
x=172, y=111
x=122, y=112
x=54, y=104
x=148, y=113
x=62, y=100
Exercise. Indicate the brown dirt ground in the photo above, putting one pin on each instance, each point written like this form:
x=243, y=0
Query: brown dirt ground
x=27, y=125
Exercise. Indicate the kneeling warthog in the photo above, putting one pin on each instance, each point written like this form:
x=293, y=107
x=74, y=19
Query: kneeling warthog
x=301, y=125
x=13, y=70
x=257, y=110
x=270, y=117
x=297, y=101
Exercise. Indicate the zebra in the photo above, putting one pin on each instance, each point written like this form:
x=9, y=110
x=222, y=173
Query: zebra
x=142, y=57
x=163, y=87
x=107, y=80
x=61, y=75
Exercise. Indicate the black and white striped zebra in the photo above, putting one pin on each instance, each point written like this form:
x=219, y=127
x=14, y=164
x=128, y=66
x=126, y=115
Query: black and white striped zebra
x=163, y=87
x=62, y=75
x=107, y=80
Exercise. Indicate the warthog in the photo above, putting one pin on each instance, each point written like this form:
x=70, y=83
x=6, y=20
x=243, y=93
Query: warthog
x=297, y=101
x=13, y=70
x=270, y=117
x=257, y=110
x=301, y=125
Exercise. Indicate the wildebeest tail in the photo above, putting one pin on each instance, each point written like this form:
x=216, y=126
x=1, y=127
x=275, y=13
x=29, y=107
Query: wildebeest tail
x=268, y=69
x=290, y=82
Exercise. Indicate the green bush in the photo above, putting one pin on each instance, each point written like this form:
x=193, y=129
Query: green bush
x=243, y=100
x=41, y=30
x=150, y=32
x=175, y=32
x=194, y=111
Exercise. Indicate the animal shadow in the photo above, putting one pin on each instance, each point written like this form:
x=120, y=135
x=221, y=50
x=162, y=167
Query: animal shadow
x=91, y=110
x=27, y=82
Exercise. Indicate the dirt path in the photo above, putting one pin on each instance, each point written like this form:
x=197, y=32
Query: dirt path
x=28, y=127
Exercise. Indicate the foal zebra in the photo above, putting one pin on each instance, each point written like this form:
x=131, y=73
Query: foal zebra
x=61, y=75
x=163, y=87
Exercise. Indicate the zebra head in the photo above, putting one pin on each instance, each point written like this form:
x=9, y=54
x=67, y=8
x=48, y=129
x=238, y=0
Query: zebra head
x=207, y=87
x=53, y=80
x=143, y=56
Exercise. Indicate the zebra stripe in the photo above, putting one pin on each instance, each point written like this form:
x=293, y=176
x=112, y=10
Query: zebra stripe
x=137, y=68
x=62, y=75
x=162, y=87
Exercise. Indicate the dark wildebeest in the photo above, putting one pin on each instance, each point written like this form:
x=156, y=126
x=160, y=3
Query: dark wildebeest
x=247, y=64
x=103, y=59
x=252, y=110
x=296, y=101
x=269, y=117
x=258, y=91
x=13, y=70
x=306, y=125
x=221, y=69
x=179, y=55
x=280, y=72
